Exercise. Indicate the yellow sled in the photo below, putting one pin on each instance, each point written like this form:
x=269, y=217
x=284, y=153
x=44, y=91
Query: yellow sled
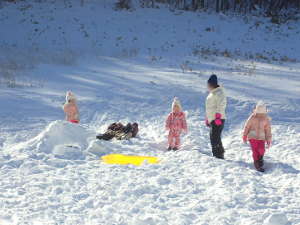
x=128, y=159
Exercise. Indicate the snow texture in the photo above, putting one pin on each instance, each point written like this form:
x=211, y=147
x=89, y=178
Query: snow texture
x=127, y=66
x=276, y=219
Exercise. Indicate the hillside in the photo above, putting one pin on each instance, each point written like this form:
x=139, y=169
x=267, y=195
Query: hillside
x=127, y=66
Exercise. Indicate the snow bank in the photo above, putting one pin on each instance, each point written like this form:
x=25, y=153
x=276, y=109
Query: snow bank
x=60, y=139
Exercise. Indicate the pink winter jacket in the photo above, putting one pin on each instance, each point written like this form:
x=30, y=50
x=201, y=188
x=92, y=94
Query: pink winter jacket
x=258, y=127
x=176, y=122
x=71, y=111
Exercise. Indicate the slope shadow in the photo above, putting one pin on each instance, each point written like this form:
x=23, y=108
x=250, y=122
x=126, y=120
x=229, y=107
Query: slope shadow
x=284, y=167
x=269, y=166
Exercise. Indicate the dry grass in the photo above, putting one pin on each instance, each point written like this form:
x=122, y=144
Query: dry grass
x=206, y=52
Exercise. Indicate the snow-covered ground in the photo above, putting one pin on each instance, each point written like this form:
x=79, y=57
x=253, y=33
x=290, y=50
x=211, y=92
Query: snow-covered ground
x=127, y=66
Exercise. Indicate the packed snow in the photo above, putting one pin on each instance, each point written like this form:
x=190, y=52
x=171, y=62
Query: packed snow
x=127, y=66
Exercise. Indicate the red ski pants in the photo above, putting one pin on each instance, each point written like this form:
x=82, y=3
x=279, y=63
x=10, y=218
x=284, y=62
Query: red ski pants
x=258, y=148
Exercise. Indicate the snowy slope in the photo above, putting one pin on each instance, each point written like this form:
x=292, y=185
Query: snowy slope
x=127, y=66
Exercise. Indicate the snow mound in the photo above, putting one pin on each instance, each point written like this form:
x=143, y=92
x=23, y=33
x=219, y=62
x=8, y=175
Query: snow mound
x=276, y=219
x=59, y=141
x=61, y=138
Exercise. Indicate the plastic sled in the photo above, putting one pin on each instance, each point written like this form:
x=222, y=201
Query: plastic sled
x=128, y=159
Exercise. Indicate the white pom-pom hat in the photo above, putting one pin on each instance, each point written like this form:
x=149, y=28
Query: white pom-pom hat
x=177, y=103
x=70, y=96
x=261, y=108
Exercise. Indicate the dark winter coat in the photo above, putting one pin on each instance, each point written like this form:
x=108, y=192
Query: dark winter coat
x=120, y=132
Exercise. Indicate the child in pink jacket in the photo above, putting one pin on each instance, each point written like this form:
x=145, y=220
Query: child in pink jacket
x=175, y=123
x=258, y=131
x=71, y=108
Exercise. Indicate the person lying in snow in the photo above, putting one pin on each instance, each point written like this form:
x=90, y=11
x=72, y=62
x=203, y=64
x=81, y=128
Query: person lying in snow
x=258, y=131
x=120, y=132
x=175, y=123
x=70, y=108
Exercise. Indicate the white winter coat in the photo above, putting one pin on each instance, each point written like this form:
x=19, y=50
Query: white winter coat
x=216, y=102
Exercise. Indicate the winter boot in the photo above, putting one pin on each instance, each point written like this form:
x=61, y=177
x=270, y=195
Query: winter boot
x=169, y=148
x=220, y=155
x=175, y=149
x=257, y=166
x=261, y=169
x=261, y=161
x=218, y=152
x=135, y=129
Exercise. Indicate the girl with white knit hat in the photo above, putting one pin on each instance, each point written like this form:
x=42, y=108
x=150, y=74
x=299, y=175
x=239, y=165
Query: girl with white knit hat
x=176, y=124
x=258, y=132
x=71, y=109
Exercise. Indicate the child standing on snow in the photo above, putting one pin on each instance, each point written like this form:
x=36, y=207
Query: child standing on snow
x=215, y=106
x=71, y=108
x=258, y=131
x=175, y=123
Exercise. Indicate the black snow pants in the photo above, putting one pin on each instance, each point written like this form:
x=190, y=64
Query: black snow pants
x=215, y=139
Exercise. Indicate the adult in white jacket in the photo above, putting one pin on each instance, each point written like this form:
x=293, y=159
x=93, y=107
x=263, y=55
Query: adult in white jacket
x=215, y=115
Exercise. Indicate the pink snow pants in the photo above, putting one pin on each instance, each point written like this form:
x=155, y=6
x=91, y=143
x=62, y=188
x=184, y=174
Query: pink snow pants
x=174, y=139
x=258, y=148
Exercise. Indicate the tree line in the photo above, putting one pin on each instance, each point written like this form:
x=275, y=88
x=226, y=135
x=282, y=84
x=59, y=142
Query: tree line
x=242, y=6
x=270, y=8
x=276, y=9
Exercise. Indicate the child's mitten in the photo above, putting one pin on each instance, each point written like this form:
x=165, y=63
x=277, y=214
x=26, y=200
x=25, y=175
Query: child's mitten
x=218, y=120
